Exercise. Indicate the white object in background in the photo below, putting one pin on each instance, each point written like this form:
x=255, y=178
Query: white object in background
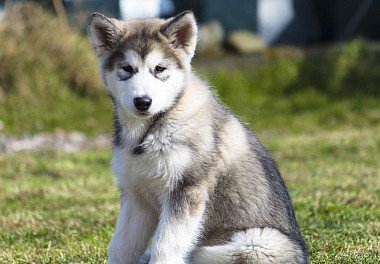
x=132, y=9
x=273, y=17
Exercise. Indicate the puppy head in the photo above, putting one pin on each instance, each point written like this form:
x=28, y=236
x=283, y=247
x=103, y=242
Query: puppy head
x=144, y=63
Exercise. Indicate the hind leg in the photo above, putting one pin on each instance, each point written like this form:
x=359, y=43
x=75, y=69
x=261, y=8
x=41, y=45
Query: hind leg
x=257, y=245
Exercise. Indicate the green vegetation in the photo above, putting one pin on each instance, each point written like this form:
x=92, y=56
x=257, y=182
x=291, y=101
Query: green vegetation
x=61, y=208
x=48, y=76
x=300, y=90
x=49, y=80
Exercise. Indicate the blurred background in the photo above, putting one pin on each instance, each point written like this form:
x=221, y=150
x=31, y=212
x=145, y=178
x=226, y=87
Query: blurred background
x=272, y=58
x=304, y=74
x=265, y=57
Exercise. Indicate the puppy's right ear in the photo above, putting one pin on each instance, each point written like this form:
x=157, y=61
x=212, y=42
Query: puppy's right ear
x=104, y=33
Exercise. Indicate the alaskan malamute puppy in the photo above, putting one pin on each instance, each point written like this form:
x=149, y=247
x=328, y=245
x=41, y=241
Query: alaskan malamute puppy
x=195, y=182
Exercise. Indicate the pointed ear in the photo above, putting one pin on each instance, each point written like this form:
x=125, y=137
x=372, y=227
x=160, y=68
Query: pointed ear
x=104, y=33
x=182, y=32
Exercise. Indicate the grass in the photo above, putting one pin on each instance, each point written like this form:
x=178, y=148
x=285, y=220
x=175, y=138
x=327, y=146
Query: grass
x=61, y=208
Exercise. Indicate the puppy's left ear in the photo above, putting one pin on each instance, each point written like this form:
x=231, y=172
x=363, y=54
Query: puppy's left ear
x=182, y=32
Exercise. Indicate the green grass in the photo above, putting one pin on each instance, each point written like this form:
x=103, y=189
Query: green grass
x=61, y=208
x=308, y=110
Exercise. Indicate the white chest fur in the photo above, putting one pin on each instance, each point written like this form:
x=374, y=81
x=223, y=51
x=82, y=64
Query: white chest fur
x=159, y=166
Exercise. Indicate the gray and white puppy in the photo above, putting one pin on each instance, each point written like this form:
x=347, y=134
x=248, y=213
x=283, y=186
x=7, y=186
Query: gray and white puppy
x=195, y=182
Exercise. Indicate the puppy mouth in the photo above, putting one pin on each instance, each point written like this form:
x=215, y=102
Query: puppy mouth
x=142, y=113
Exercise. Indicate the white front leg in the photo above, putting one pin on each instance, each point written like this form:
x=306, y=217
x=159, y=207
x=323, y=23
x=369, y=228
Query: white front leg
x=178, y=229
x=134, y=227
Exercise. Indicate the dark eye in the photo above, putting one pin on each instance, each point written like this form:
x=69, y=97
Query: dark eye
x=128, y=68
x=159, y=68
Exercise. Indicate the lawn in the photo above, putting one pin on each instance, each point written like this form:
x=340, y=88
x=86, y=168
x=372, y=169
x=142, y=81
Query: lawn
x=61, y=208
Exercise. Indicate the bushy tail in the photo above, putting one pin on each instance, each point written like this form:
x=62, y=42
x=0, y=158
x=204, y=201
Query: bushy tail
x=257, y=245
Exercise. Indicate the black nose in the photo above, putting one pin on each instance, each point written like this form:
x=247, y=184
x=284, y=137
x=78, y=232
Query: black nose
x=142, y=103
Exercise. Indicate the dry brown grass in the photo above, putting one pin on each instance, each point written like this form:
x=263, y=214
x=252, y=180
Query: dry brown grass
x=38, y=55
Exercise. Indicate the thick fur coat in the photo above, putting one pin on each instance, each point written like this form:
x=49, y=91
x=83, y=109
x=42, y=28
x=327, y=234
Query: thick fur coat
x=195, y=182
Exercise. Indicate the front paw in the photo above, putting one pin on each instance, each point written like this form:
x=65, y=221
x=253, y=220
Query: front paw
x=144, y=258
